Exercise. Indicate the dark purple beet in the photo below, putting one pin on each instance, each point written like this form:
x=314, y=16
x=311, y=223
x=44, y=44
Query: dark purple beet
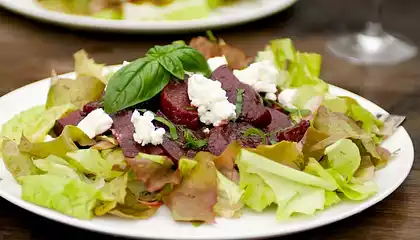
x=295, y=133
x=72, y=118
x=89, y=107
x=176, y=106
x=253, y=109
x=123, y=131
x=279, y=121
x=220, y=137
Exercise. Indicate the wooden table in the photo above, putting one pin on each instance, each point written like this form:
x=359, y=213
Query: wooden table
x=29, y=50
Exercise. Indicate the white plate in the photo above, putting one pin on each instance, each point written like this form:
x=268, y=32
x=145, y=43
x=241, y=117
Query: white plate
x=222, y=17
x=250, y=225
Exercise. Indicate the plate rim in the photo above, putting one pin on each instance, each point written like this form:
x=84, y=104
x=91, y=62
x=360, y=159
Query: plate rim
x=85, y=22
x=86, y=225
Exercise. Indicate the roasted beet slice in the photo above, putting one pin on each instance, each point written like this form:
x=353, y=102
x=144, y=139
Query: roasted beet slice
x=123, y=131
x=220, y=137
x=295, y=133
x=71, y=119
x=253, y=109
x=173, y=149
x=89, y=107
x=279, y=121
x=176, y=105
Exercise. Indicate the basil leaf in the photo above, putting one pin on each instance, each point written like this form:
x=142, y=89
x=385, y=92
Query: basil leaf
x=137, y=82
x=191, y=59
x=239, y=102
x=192, y=142
x=172, y=65
x=171, y=126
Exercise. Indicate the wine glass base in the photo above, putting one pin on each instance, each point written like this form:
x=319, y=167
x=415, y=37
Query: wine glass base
x=361, y=48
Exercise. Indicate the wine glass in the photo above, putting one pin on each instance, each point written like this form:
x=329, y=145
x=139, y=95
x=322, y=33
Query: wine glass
x=373, y=45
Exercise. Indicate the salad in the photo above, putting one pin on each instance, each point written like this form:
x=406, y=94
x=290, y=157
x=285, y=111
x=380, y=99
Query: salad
x=201, y=129
x=137, y=9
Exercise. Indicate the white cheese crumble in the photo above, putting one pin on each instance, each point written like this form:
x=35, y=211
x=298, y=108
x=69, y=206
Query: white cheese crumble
x=145, y=132
x=206, y=130
x=286, y=97
x=261, y=76
x=211, y=100
x=95, y=123
x=216, y=62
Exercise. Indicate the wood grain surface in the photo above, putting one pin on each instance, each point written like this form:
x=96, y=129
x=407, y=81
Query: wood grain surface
x=29, y=50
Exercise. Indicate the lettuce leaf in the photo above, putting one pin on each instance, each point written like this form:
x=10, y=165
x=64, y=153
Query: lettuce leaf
x=228, y=197
x=34, y=123
x=154, y=171
x=248, y=160
x=225, y=163
x=311, y=138
x=354, y=191
x=13, y=129
x=90, y=161
x=66, y=195
x=35, y=131
x=17, y=163
x=57, y=166
x=115, y=190
x=331, y=198
x=284, y=152
x=79, y=91
x=195, y=197
x=85, y=66
x=186, y=165
x=132, y=208
x=258, y=195
x=343, y=157
x=60, y=146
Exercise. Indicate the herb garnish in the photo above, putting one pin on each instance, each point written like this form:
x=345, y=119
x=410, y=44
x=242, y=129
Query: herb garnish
x=172, y=129
x=211, y=36
x=192, y=142
x=299, y=112
x=239, y=101
x=256, y=132
x=145, y=77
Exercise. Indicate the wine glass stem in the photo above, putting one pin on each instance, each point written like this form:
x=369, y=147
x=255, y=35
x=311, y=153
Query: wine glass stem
x=374, y=26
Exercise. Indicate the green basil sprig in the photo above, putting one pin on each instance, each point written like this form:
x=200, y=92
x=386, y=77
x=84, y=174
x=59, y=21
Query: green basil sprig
x=145, y=77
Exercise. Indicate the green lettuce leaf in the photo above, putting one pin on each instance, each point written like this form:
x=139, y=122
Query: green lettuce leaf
x=85, y=66
x=60, y=146
x=90, y=161
x=36, y=131
x=258, y=195
x=248, y=160
x=34, y=123
x=331, y=198
x=13, y=129
x=17, y=163
x=132, y=208
x=228, y=198
x=77, y=91
x=186, y=165
x=57, y=166
x=195, y=197
x=115, y=190
x=114, y=156
x=354, y=191
x=284, y=152
x=343, y=157
x=66, y=195
x=339, y=126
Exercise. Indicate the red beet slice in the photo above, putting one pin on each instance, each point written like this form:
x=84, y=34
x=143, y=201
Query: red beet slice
x=279, y=121
x=295, y=133
x=176, y=105
x=72, y=118
x=253, y=109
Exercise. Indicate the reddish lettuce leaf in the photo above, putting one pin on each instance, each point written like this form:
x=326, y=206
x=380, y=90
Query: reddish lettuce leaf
x=154, y=171
x=195, y=197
